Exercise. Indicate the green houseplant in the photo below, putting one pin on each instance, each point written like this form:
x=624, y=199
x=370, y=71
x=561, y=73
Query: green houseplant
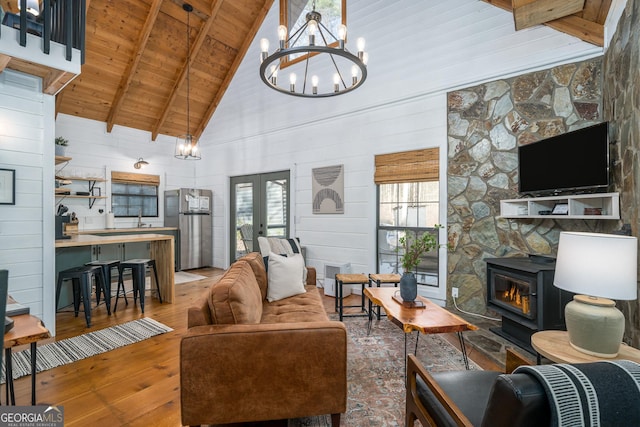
x=61, y=144
x=413, y=248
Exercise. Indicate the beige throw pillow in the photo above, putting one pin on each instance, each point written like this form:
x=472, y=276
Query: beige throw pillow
x=285, y=276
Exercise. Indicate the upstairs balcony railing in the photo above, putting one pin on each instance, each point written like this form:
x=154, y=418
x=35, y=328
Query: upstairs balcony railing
x=61, y=21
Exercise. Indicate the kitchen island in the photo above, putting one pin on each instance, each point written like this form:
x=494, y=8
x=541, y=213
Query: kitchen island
x=81, y=248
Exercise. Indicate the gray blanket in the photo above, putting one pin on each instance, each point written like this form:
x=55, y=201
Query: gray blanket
x=598, y=394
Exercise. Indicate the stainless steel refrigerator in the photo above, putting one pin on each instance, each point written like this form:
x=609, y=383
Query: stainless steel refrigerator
x=190, y=210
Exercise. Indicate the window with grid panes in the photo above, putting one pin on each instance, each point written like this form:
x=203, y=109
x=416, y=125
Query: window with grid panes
x=408, y=202
x=133, y=199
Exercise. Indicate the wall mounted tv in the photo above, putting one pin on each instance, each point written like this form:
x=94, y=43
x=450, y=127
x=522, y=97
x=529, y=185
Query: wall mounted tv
x=573, y=162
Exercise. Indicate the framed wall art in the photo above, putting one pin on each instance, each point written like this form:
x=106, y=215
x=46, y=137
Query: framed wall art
x=327, y=187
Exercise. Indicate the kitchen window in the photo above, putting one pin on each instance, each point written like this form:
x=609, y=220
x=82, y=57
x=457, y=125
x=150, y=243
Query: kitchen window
x=134, y=195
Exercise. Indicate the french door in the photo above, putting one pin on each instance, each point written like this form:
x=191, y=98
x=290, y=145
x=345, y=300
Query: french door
x=259, y=207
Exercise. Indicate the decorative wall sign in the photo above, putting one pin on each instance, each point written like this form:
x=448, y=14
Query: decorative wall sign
x=7, y=187
x=327, y=187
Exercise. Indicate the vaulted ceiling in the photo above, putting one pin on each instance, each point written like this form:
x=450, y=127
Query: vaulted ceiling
x=136, y=55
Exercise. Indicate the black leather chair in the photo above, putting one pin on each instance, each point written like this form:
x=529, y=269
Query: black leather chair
x=475, y=398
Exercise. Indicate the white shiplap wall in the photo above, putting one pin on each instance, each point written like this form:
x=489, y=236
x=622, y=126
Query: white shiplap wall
x=418, y=50
x=26, y=228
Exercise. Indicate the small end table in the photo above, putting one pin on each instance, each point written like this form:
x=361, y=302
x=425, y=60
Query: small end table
x=555, y=346
x=379, y=279
x=349, y=279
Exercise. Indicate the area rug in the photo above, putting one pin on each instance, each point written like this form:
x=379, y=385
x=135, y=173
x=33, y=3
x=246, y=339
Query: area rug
x=73, y=349
x=376, y=369
x=184, y=277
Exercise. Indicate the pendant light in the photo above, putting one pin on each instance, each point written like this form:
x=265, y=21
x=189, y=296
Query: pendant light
x=187, y=145
x=324, y=65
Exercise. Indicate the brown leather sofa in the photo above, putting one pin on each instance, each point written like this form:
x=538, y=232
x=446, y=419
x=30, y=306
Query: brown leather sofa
x=244, y=359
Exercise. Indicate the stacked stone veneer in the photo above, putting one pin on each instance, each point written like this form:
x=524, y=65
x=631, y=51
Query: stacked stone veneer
x=486, y=124
x=621, y=105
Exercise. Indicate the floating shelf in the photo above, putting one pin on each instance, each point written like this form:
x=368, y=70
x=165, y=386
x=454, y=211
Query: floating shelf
x=62, y=159
x=580, y=206
x=91, y=180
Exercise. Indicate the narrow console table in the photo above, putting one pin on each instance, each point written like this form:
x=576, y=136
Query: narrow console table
x=161, y=249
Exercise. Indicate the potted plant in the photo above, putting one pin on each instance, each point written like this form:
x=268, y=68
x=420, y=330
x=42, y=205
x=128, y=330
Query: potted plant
x=412, y=248
x=61, y=143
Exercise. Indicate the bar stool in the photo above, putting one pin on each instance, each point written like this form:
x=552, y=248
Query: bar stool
x=380, y=279
x=81, y=278
x=349, y=279
x=106, y=266
x=139, y=274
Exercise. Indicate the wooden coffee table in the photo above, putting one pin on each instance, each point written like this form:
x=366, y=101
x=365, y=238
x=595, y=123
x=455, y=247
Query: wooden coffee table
x=432, y=319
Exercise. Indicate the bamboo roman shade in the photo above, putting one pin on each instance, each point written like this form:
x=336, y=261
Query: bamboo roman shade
x=407, y=166
x=135, y=178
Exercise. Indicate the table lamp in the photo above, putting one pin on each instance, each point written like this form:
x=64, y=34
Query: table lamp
x=598, y=268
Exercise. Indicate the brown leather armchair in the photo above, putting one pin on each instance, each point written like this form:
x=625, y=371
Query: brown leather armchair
x=475, y=398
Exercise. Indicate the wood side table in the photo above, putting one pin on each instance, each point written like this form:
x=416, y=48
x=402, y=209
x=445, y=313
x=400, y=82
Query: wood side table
x=555, y=346
x=349, y=279
x=379, y=279
x=27, y=329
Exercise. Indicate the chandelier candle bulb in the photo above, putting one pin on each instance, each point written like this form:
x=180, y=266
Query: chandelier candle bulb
x=292, y=82
x=354, y=74
x=274, y=75
x=342, y=34
x=336, y=82
x=314, y=84
x=312, y=26
x=264, y=47
x=282, y=35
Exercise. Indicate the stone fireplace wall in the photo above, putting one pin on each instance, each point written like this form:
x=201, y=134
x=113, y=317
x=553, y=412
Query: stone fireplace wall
x=621, y=106
x=486, y=123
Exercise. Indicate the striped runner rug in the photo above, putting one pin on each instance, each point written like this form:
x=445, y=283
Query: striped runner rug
x=73, y=349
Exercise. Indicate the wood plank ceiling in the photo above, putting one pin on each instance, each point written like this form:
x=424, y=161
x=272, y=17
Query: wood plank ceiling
x=136, y=55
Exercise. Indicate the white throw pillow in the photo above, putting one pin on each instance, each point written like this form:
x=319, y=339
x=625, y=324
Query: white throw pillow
x=281, y=246
x=285, y=276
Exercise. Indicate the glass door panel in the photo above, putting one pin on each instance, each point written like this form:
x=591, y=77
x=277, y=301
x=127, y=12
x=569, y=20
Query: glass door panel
x=259, y=207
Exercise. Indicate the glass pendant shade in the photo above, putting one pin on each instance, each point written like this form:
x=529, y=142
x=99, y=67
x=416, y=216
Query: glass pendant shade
x=187, y=148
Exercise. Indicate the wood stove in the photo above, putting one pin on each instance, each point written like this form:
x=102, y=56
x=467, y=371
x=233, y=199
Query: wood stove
x=521, y=290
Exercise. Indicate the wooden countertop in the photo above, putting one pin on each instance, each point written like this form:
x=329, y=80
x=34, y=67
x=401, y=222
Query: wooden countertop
x=126, y=230
x=92, y=239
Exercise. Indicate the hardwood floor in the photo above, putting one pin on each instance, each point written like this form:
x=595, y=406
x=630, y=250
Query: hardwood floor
x=136, y=385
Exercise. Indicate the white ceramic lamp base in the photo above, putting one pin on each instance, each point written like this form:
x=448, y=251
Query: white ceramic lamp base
x=595, y=325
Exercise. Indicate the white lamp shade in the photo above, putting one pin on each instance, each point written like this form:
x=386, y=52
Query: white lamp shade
x=599, y=265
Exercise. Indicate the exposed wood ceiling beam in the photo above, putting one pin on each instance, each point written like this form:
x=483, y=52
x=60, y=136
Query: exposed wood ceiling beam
x=55, y=81
x=596, y=11
x=232, y=70
x=527, y=13
x=202, y=35
x=58, y=103
x=4, y=61
x=130, y=72
x=574, y=25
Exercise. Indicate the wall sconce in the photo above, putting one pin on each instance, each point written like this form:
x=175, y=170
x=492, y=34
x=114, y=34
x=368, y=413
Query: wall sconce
x=140, y=163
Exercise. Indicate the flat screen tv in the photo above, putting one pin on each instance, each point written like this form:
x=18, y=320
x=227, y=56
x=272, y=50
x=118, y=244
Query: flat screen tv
x=576, y=161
